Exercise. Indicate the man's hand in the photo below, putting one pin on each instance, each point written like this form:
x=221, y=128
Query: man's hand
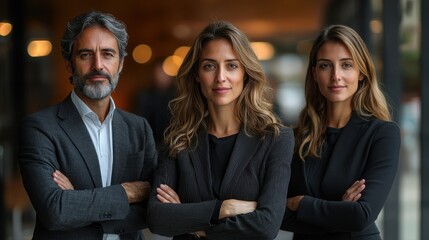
x=293, y=202
x=62, y=181
x=136, y=191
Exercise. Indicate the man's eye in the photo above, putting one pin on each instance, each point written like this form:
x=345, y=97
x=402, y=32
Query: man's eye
x=85, y=55
x=109, y=54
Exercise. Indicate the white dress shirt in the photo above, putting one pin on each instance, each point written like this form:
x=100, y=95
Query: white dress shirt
x=101, y=136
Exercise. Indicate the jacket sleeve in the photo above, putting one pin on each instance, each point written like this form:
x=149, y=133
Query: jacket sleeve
x=264, y=222
x=61, y=209
x=185, y=217
x=379, y=174
x=136, y=218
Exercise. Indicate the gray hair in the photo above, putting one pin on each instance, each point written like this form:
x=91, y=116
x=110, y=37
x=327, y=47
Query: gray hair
x=78, y=24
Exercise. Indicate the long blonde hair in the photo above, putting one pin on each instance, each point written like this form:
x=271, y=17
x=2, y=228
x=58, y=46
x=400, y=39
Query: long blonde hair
x=368, y=101
x=189, y=108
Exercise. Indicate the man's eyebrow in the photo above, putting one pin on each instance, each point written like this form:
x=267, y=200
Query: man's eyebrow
x=103, y=50
x=84, y=50
x=108, y=50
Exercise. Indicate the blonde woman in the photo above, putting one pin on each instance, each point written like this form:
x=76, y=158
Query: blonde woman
x=347, y=149
x=226, y=165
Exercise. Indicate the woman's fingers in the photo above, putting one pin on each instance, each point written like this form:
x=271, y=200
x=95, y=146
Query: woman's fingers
x=354, y=193
x=167, y=194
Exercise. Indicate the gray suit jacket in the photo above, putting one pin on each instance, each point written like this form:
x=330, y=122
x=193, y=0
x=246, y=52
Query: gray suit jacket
x=258, y=170
x=57, y=139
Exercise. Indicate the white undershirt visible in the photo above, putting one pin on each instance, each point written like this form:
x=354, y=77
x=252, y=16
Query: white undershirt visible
x=101, y=136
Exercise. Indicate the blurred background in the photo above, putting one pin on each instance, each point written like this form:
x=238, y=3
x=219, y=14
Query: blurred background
x=33, y=76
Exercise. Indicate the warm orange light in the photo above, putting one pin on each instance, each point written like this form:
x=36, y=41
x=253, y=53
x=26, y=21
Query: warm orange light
x=376, y=26
x=39, y=48
x=263, y=50
x=182, y=51
x=142, y=53
x=5, y=28
x=171, y=65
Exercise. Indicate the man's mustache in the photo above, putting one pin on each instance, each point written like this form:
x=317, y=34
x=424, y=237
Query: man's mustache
x=97, y=73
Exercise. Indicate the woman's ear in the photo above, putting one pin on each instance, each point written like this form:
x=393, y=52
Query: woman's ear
x=361, y=77
x=313, y=73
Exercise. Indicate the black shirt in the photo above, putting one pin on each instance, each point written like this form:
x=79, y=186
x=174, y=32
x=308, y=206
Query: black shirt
x=220, y=150
x=316, y=168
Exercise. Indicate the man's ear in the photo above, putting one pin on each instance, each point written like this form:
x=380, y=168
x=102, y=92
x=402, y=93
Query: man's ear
x=121, y=65
x=69, y=67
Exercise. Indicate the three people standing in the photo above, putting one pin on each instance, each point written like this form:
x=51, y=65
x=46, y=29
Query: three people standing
x=224, y=169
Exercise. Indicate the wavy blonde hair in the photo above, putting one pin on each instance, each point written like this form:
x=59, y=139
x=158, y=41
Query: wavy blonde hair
x=368, y=101
x=188, y=109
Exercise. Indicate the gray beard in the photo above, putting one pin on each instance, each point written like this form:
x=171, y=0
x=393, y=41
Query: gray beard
x=96, y=91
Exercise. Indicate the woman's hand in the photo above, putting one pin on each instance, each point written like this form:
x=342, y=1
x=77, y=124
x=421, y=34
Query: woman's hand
x=233, y=207
x=62, y=181
x=293, y=202
x=355, y=191
x=165, y=194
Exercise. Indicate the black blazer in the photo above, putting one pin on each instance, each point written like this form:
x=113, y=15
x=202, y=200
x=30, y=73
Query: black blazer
x=258, y=170
x=365, y=149
x=57, y=139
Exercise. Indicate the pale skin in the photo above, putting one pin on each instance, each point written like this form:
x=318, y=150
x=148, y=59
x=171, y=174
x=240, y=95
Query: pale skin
x=221, y=77
x=337, y=76
x=96, y=48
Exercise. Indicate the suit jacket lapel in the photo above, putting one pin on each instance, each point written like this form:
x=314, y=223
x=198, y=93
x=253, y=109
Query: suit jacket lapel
x=75, y=128
x=340, y=159
x=201, y=162
x=120, y=142
x=244, y=149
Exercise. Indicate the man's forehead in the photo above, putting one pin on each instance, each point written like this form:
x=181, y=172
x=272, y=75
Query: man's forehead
x=96, y=38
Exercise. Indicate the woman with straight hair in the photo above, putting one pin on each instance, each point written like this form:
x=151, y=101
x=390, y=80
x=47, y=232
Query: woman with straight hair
x=347, y=148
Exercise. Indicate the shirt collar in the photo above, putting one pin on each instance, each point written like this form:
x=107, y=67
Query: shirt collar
x=84, y=110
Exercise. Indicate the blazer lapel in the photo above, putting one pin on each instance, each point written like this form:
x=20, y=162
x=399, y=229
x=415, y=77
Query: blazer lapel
x=340, y=158
x=201, y=162
x=244, y=149
x=120, y=142
x=75, y=128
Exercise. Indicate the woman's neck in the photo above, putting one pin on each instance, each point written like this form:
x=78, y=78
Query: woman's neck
x=338, y=117
x=223, y=123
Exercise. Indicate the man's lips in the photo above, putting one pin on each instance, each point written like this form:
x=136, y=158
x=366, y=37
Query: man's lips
x=97, y=78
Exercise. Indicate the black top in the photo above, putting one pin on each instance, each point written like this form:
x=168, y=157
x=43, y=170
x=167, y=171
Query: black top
x=220, y=150
x=316, y=168
x=366, y=148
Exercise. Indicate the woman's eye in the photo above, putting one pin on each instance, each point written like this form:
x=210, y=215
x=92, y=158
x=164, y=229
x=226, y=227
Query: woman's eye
x=208, y=66
x=324, y=65
x=348, y=65
x=232, y=66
